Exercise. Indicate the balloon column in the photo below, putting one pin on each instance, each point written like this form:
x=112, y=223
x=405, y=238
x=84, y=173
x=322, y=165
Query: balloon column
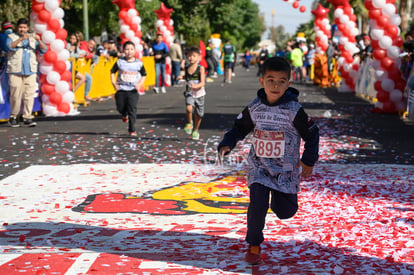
x=386, y=44
x=166, y=28
x=322, y=28
x=47, y=19
x=130, y=24
x=345, y=19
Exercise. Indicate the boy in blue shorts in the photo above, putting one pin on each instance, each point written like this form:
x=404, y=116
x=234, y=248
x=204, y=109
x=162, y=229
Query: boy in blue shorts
x=278, y=123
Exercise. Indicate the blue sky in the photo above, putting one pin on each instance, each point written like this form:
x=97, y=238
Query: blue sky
x=285, y=14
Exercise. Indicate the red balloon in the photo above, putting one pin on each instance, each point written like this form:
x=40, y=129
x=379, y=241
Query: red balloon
x=391, y=1
x=48, y=88
x=374, y=14
x=391, y=30
x=398, y=41
x=379, y=54
x=61, y=34
x=50, y=57
x=44, y=16
x=295, y=4
x=302, y=9
x=388, y=107
x=375, y=44
x=66, y=76
x=400, y=85
x=163, y=12
x=320, y=11
x=122, y=14
x=42, y=78
x=53, y=25
x=125, y=4
x=55, y=98
x=63, y=107
x=387, y=63
x=60, y=66
x=383, y=96
x=378, y=87
x=383, y=21
x=37, y=7
x=368, y=5
x=355, y=67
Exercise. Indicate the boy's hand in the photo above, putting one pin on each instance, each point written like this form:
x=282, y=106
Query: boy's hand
x=306, y=170
x=223, y=151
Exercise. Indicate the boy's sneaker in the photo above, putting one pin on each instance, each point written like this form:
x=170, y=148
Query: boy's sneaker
x=163, y=90
x=253, y=254
x=188, y=128
x=195, y=135
x=29, y=123
x=156, y=90
x=133, y=134
x=125, y=119
x=13, y=122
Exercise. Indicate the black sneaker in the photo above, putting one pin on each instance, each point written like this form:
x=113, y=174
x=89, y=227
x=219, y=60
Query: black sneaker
x=13, y=122
x=29, y=123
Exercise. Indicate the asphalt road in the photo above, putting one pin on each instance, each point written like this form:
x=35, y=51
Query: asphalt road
x=349, y=130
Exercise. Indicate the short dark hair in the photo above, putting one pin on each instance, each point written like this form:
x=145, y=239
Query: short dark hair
x=22, y=21
x=194, y=50
x=128, y=43
x=277, y=64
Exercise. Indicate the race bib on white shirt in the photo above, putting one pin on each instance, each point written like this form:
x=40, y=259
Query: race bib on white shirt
x=269, y=144
x=129, y=76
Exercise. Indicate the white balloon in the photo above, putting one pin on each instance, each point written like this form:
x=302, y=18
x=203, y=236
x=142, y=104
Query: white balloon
x=136, y=20
x=49, y=109
x=45, y=68
x=396, y=95
x=163, y=28
x=45, y=99
x=64, y=55
x=140, y=48
x=355, y=31
x=393, y=52
x=51, y=5
x=376, y=34
x=341, y=60
x=344, y=18
x=68, y=65
x=132, y=12
x=62, y=23
x=57, y=45
x=389, y=9
x=33, y=17
x=385, y=42
x=48, y=37
x=171, y=22
x=338, y=12
x=40, y=27
x=53, y=77
x=388, y=84
x=378, y=3
x=124, y=28
x=378, y=74
x=121, y=22
x=68, y=97
x=58, y=13
x=129, y=34
x=41, y=1
x=395, y=19
x=62, y=87
x=159, y=23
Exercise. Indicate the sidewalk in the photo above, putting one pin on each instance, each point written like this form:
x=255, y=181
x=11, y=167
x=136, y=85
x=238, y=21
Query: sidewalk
x=79, y=196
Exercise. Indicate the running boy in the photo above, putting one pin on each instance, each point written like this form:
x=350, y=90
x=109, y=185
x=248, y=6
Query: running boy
x=130, y=78
x=195, y=92
x=278, y=123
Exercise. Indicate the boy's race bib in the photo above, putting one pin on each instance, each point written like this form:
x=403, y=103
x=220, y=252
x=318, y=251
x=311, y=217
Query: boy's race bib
x=269, y=144
x=129, y=76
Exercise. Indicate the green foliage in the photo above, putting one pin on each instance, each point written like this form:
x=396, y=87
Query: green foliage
x=20, y=10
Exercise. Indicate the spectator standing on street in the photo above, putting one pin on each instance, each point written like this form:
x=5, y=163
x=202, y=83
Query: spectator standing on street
x=130, y=79
x=296, y=57
x=261, y=58
x=7, y=28
x=22, y=69
x=195, y=92
x=278, y=123
x=228, y=53
x=176, y=56
x=75, y=51
x=246, y=60
x=160, y=52
x=211, y=60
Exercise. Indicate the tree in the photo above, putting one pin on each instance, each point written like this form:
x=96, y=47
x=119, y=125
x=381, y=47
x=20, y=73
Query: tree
x=20, y=10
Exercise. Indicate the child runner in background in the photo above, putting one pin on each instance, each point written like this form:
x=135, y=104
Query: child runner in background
x=130, y=78
x=278, y=123
x=195, y=92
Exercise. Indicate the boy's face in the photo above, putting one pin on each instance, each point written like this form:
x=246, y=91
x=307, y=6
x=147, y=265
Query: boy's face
x=193, y=57
x=22, y=29
x=275, y=84
x=129, y=51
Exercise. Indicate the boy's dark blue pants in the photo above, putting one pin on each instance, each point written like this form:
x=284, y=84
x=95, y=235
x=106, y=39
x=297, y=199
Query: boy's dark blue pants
x=126, y=104
x=282, y=204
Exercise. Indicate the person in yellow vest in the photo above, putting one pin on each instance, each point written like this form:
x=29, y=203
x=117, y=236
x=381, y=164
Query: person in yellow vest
x=22, y=70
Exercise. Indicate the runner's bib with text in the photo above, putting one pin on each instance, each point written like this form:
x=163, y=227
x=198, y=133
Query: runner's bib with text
x=269, y=144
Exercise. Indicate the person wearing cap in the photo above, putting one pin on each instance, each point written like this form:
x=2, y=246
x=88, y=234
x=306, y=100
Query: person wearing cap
x=7, y=28
x=22, y=70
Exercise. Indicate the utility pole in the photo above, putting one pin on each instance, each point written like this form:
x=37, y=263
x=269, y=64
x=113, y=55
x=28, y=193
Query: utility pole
x=85, y=20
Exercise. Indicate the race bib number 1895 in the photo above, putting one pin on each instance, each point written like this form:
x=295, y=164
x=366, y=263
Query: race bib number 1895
x=269, y=144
